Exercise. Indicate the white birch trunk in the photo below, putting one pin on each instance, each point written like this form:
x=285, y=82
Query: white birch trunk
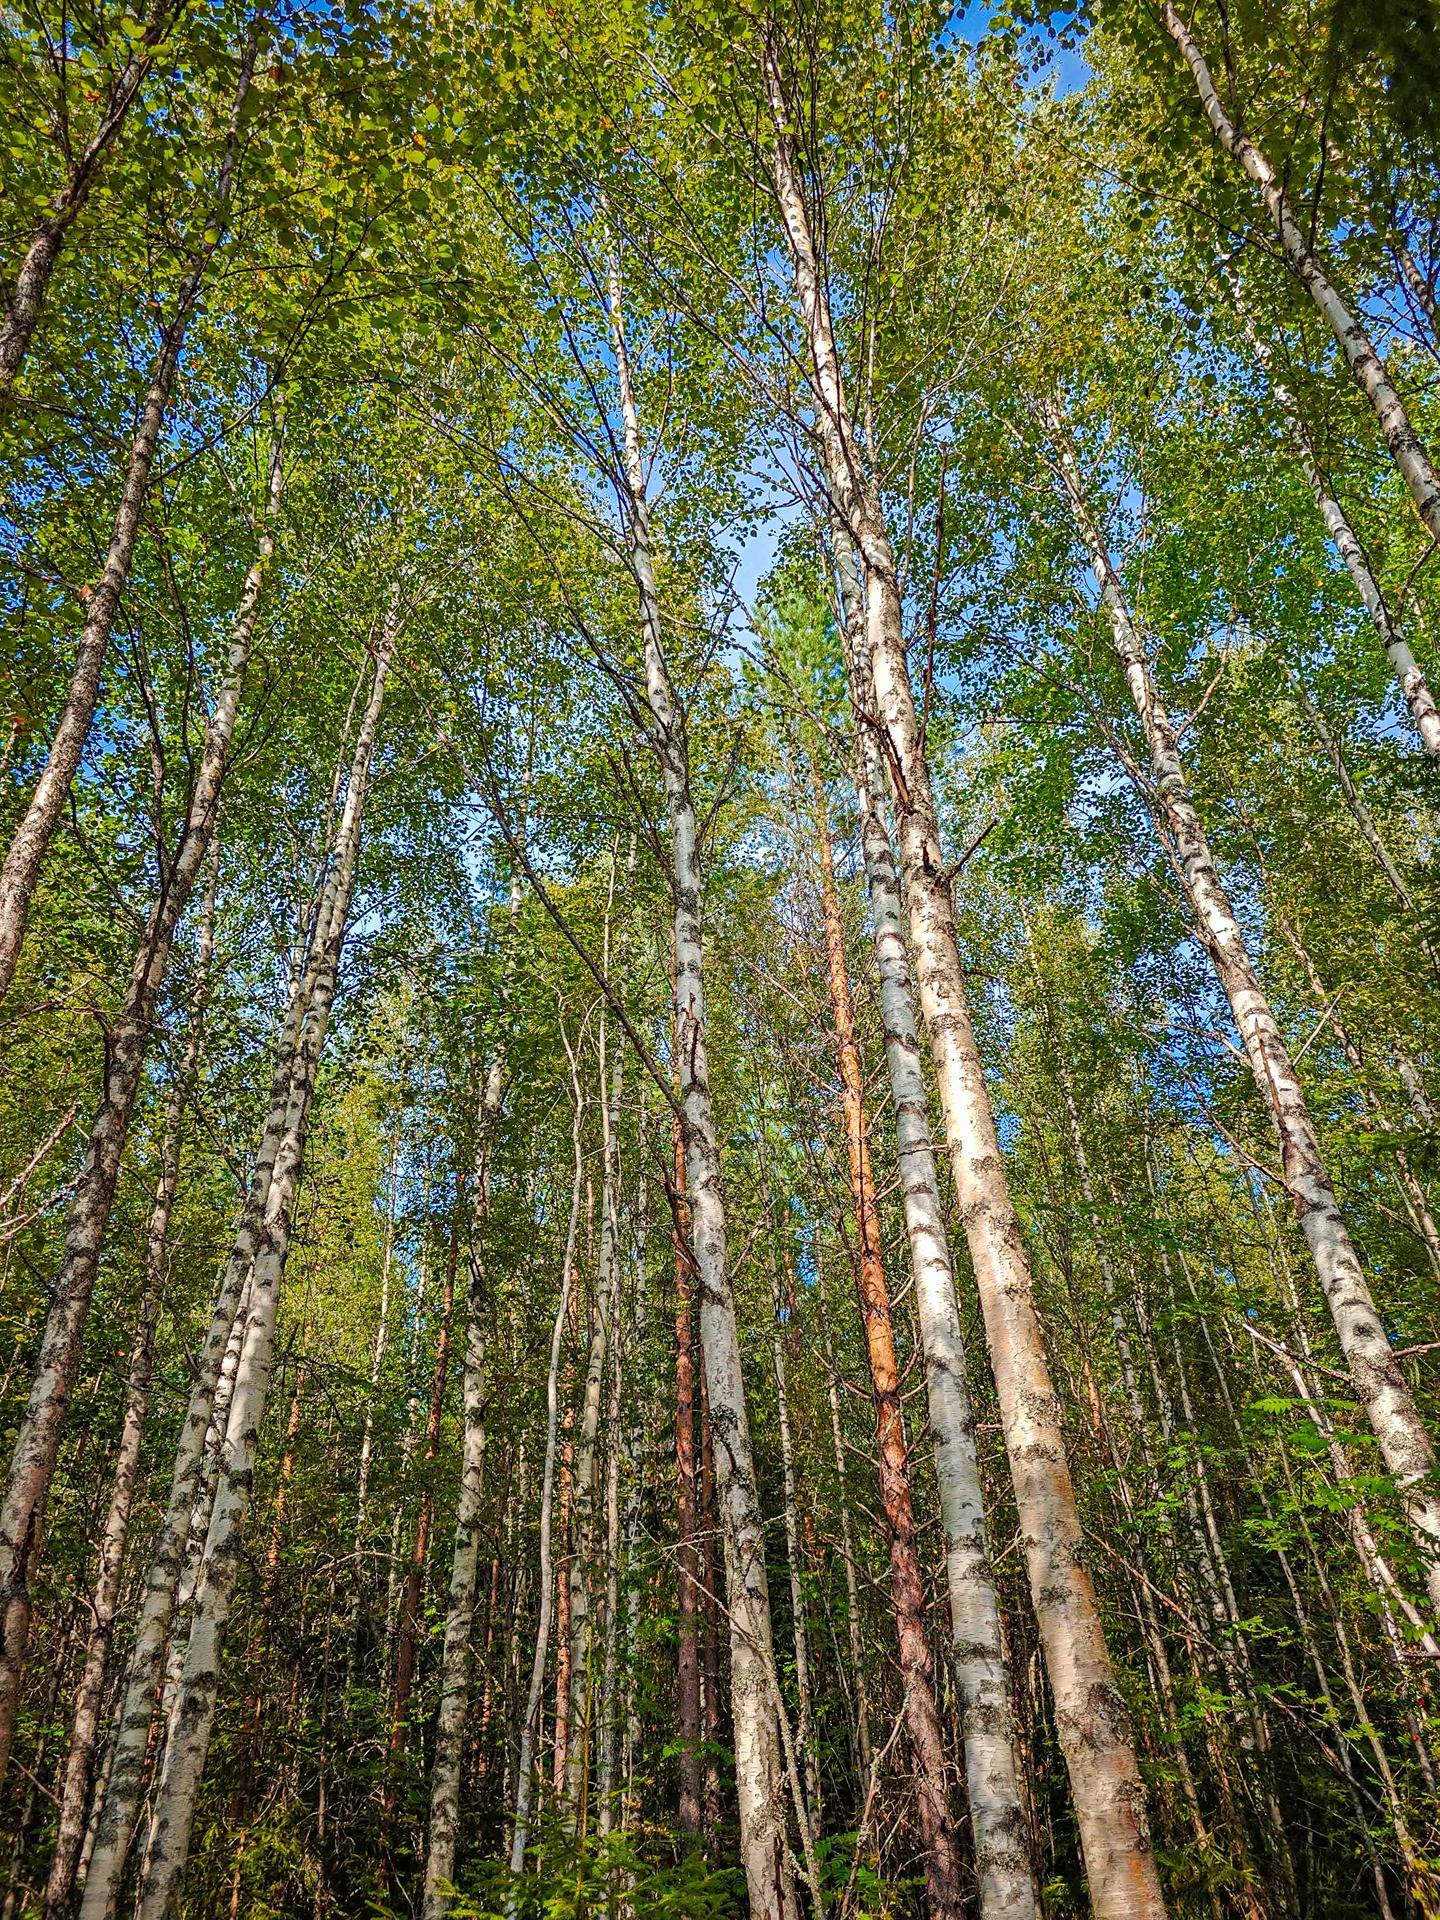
x=759, y=1767
x=115, y=1532
x=1092, y=1720
x=529, y=1725
x=453, y=1710
x=1361, y=354
x=189, y=1741
x=21, y=869
x=128, y=1042
x=615, y=1449
x=1413, y=683
x=122, y=1799
x=864, y=1753
x=367, y=1442
x=37, y=263
x=610, y=1658
x=993, y=1771
x=1378, y=1379
x=805, y=1724
x=582, y=1633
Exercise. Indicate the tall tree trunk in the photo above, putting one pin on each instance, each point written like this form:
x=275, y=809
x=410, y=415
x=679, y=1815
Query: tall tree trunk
x=605, y=1745
x=1378, y=1378
x=711, y=1576
x=1361, y=354
x=85, y=1728
x=367, y=1442
x=1350, y=793
x=560, y=1758
x=408, y=1624
x=687, y=1555
x=907, y=1588
x=805, y=1723
x=454, y=1704
x=633, y=1460
x=128, y=1041
x=525, y=1768
x=764, y=1850
x=993, y=1771
x=186, y=1750
x=602, y=1333
x=21, y=870
x=1092, y=1719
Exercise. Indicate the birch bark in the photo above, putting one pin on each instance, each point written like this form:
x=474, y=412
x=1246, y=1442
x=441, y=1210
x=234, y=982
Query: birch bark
x=529, y=1725
x=864, y=1746
x=37, y=264
x=189, y=1742
x=454, y=1704
x=1092, y=1719
x=687, y=1554
x=765, y=1854
x=907, y=1592
x=37, y=1443
x=408, y=1622
x=805, y=1723
x=993, y=1771
x=120, y=1800
x=21, y=869
x=85, y=1729
x=1378, y=1379
x=1413, y=683
x=367, y=1442
x=582, y=1632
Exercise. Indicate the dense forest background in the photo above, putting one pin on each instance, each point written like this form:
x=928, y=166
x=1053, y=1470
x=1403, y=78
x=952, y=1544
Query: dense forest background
x=719, y=958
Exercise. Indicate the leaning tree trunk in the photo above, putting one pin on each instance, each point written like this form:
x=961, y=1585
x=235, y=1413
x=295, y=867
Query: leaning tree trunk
x=993, y=1771
x=1361, y=354
x=186, y=1751
x=1351, y=795
x=615, y=1469
x=128, y=1042
x=85, y=1729
x=21, y=870
x=1417, y=1204
x=116, y=1822
x=907, y=1587
x=1377, y=1377
x=1091, y=1717
x=1413, y=683
x=32, y=277
x=759, y=1769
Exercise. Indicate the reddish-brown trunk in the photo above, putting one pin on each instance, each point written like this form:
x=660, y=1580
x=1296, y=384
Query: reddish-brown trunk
x=907, y=1589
